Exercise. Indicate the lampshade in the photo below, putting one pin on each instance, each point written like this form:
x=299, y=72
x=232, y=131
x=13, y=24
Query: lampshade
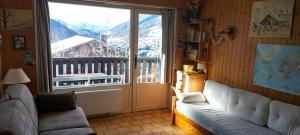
x=15, y=76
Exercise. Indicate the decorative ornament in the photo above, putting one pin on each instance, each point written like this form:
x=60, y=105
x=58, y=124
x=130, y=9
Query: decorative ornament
x=228, y=33
x=195, y=6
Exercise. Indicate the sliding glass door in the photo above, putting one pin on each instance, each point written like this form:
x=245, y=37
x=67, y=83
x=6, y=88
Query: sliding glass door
x=149, y=65
x=98, y=46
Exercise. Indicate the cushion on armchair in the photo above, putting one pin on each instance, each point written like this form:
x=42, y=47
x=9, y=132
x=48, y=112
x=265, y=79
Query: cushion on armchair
x=284, y=118
x=5, y=97
x=217, y=94
x=21, y=92
x=190, y=97
x=15, y=119
x=55, y=102
x=249, y=106
x=62, y=120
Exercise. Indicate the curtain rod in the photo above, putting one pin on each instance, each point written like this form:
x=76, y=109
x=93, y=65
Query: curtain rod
x=114, y=3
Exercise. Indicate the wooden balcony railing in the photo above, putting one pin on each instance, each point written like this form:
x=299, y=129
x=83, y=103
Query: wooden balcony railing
x=101, y=70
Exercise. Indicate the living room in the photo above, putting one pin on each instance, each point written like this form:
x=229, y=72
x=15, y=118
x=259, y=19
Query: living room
x=140, y=66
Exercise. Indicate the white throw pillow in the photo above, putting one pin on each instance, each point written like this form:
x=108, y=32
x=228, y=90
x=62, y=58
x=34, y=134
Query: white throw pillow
x=190, y=97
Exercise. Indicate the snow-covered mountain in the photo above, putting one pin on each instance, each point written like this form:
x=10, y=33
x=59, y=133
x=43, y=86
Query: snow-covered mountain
x=59, y=32
x=118, y=36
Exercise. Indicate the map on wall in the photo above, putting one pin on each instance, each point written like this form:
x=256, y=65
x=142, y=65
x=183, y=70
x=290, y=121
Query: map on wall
x=278, y=67
x=271, y=18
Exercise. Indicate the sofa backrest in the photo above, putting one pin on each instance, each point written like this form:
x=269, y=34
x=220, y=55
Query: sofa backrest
x=22, y=93
x=216, y=94
x=284, y=118
x=15, y=119
x=249, y=106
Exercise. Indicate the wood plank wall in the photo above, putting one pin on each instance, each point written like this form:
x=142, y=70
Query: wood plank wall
x=14, y=58
x=232, y=62
x=1, y=85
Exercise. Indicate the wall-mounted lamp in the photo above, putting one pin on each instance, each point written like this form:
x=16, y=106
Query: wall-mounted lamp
x=228, y=33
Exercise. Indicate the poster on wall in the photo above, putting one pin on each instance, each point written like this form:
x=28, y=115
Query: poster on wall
x=278, y=67
x=16, y=19
x=271, y=18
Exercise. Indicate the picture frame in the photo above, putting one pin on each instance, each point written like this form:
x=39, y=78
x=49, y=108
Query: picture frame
x=272, y=18
x=19, y=42
x=16, y=19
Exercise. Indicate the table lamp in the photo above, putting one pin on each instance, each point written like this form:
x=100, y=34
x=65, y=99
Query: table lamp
x=15, y=76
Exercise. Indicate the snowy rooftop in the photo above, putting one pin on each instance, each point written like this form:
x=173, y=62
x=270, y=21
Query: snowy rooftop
x=69, y=43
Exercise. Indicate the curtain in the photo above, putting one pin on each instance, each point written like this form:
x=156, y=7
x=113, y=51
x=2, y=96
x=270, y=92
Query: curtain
x=168, y=23
x=43, y=48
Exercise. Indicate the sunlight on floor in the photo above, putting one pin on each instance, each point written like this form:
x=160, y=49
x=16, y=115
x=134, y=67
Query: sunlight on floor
x=153, y=122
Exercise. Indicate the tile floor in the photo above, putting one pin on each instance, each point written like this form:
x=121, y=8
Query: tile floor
x=152, y=122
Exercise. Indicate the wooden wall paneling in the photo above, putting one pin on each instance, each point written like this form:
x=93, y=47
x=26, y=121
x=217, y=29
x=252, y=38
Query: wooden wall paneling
x=247, y=44
x=209, y=12
x=296, y=36
x=14, y=58
x=232, y=62
x=220, y=48
x=241, y=46
x=228, y=45
x=235, y=53
x=1, y=85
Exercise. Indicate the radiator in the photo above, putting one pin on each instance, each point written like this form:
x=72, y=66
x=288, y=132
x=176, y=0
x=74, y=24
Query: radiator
x=100, y=101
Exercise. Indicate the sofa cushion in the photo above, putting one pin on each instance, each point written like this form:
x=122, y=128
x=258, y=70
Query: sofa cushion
x=22, y=93
x=295, y=131
x=55, y=102
x=62, y=120
x=216, y=94
x=71, y=131
x=284, y=118
x=15, y=119
x=5, y=97
x=220, y=122
x=190, y=97
x=249, y=106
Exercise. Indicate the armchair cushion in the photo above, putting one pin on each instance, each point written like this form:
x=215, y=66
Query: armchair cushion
x=55, y=102
x=63, y=120
x=190, y=97
x=5, y=97
x=22, y=93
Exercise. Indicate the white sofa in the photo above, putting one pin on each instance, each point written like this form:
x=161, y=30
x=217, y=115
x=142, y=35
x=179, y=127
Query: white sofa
x=231, y=111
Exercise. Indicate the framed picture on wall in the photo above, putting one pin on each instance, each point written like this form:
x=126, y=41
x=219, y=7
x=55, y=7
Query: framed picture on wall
x=19, y=42
x=272, y=18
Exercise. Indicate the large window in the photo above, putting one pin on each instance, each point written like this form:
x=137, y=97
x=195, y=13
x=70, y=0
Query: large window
x=90, y=44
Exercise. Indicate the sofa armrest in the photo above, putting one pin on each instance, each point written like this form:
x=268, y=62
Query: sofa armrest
x=55, y=102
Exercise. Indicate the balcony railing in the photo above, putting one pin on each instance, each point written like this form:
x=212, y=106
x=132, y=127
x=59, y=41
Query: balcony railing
x=101, y=70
